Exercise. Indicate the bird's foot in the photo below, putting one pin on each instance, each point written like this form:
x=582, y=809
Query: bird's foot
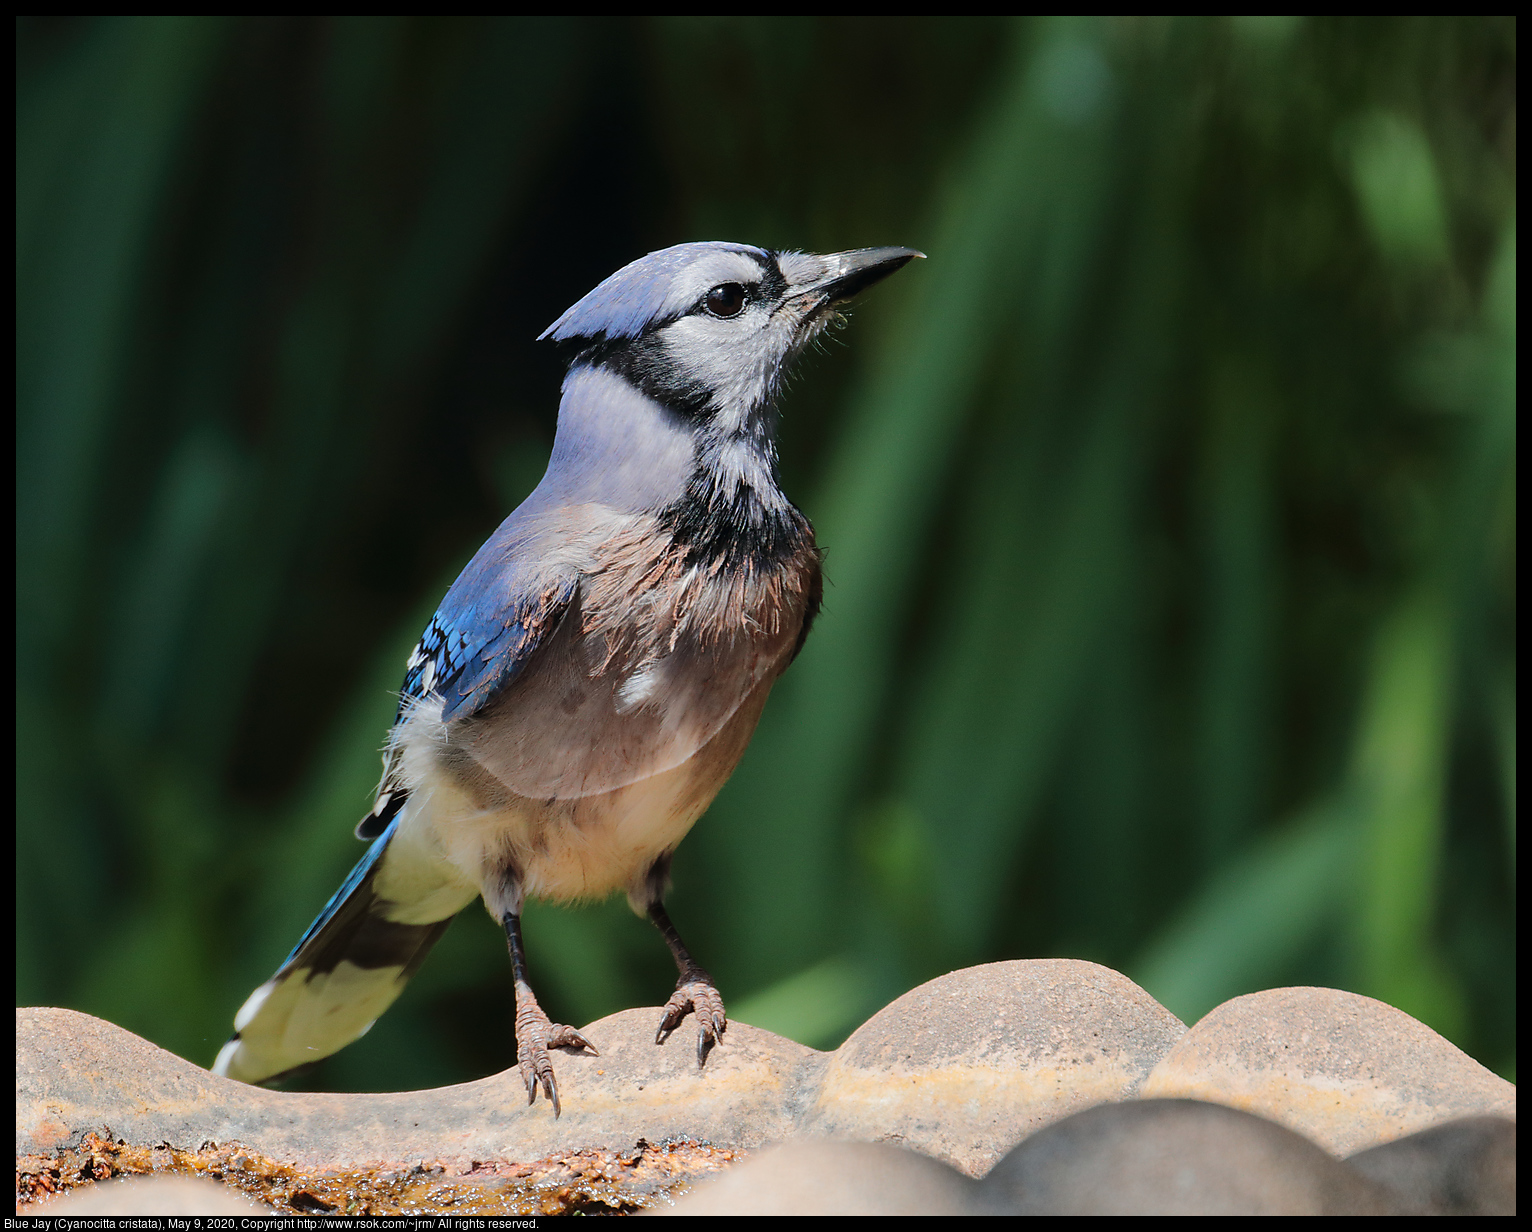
x=535, y=1034
x=695, y=994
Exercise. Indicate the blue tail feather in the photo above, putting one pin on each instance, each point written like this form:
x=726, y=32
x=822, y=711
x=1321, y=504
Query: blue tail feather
x=350, y=964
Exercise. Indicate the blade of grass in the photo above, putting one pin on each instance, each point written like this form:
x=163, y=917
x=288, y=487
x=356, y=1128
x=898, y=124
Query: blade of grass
x=1258, y=914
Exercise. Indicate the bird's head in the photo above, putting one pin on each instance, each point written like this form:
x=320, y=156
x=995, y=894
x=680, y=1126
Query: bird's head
x=669, y=405
x=710, y=329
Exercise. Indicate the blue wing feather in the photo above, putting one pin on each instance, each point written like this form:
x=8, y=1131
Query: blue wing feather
x=468, y=654
x=483, y=634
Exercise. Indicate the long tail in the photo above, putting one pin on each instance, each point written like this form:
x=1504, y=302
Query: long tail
x=349, y=966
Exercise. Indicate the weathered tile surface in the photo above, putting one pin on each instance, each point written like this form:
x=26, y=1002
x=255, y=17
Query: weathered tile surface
x=1062, y=1084
x=965, y=1066
x=1345, y=1070
x=76, y=1074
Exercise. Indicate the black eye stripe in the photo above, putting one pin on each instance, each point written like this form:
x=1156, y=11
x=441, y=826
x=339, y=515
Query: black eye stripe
x=773, y=284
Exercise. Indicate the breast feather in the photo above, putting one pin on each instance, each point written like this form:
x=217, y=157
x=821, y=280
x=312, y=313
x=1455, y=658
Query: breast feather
x=656, y=658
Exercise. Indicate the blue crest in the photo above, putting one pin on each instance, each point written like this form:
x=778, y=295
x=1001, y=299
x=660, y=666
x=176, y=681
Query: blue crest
x=640, y=294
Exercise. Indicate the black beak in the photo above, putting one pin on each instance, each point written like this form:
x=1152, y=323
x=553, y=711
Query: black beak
x=851, y=273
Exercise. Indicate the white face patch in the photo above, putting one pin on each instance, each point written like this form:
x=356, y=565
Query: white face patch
x=738, y=357
x=716, y=268
x=740, y=360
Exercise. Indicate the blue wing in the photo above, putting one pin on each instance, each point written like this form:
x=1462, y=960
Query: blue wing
x=471, y=650
x=486, y=630
x=356, y=956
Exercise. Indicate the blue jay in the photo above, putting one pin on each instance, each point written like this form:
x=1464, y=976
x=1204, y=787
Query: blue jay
x=593, y=676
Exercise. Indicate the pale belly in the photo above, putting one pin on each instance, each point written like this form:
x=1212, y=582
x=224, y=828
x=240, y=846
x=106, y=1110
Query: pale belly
x=482, y=837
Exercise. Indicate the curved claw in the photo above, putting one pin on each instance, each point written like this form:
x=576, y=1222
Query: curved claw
x=551, y=1091
x=568, y=1037
x=670, y=1020
x=532, y=1044
x=537, y=1070
x=699, y=996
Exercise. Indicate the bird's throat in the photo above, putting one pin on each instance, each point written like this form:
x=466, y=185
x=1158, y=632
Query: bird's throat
x=733, y=512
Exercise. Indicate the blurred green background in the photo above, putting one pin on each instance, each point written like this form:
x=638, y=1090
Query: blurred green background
x=1169, y=506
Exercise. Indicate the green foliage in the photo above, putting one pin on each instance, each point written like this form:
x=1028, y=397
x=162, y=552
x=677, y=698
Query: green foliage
x=1169, y=506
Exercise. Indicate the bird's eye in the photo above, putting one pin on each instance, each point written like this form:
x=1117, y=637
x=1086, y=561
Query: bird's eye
x=726, y=300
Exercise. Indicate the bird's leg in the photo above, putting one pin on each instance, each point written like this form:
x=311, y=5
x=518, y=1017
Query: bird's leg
x=695, y=992
x=535, y=1034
